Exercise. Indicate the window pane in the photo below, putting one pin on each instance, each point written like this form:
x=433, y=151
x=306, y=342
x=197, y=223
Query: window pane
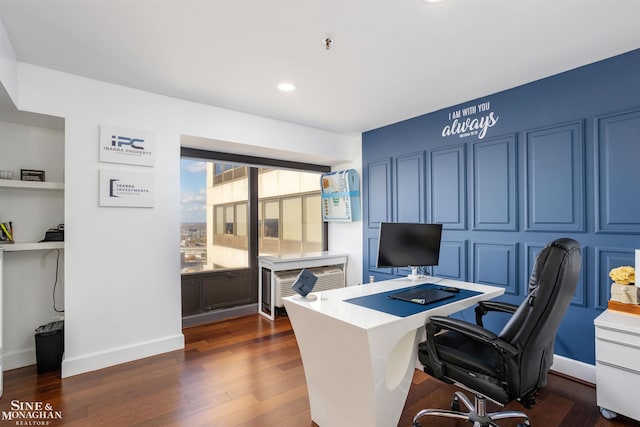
x=241, y=219
x=284, y=195
x=193, y=212
x=228, y=220
x=219, y=220
x=312, y=219
x=292, y=219
x=216, y=240
x=271, y=218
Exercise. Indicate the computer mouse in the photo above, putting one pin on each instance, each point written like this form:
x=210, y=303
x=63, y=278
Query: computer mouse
x=451, y=289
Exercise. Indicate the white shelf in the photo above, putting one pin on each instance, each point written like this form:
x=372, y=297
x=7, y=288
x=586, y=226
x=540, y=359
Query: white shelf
x=31, y=246
x=31, y=185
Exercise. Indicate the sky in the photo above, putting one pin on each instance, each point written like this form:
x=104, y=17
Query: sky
x=192, y=190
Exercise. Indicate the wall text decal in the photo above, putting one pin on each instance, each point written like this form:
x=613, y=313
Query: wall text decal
x=465, y=125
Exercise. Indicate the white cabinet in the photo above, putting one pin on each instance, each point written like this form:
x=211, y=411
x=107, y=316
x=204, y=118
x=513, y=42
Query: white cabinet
x=618, y=363
x=270, y=265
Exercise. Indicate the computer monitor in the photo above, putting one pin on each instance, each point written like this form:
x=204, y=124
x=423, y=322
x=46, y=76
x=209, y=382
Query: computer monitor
x=402, y=244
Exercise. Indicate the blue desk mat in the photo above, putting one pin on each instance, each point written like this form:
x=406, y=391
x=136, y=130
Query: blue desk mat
x=383, y=301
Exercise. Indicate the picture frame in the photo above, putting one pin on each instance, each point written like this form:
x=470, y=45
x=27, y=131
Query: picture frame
x=31, y=175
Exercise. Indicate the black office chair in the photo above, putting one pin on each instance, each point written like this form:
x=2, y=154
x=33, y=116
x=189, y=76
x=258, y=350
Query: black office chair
x=513, y=364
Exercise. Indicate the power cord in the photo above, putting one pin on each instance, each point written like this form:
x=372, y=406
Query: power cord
x=55, y=283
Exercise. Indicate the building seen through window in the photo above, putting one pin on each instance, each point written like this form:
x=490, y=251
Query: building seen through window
x=215, y=214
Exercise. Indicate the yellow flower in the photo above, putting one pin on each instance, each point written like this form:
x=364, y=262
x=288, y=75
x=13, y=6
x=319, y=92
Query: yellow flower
x=624, y=275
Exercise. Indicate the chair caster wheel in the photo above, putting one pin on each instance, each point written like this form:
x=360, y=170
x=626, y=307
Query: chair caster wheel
x=417, y=424
x=607, y=413
x=455, y=404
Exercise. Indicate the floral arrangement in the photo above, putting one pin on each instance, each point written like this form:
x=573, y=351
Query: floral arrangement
x=624, y=275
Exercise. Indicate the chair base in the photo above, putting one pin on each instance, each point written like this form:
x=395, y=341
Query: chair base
x=477, y=412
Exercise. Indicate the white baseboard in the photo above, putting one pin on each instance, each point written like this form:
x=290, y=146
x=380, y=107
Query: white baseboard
x=19, y=359
x=116, y=356
x=574, y=368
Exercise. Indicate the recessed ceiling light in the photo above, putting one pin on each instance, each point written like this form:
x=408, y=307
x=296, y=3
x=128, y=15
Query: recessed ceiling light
x=286, y=87
x=432, y=1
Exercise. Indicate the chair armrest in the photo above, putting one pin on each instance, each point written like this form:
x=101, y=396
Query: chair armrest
x=484, y=307
x=439, y=323
x=466, y=328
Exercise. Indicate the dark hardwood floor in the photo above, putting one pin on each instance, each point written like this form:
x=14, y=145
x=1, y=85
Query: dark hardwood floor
x=244, y=372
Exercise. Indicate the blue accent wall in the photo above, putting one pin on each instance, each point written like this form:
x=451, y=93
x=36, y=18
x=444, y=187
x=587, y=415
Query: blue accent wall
x=509, y=172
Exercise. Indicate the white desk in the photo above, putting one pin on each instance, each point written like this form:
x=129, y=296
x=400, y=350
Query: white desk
x=359, y=362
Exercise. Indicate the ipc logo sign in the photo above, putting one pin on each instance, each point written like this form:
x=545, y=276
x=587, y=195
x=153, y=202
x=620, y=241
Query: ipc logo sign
x=125, y=141
x=128, y=146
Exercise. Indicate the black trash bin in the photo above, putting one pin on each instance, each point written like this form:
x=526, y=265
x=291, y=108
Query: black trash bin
x=49, y=346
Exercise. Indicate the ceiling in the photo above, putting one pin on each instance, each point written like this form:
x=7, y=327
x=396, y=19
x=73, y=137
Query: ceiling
x=389, y=61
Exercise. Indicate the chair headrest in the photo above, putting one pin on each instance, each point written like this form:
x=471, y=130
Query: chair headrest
x=563, y=244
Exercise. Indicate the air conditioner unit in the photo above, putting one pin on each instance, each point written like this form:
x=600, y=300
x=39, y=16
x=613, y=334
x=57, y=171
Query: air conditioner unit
x=328, y=278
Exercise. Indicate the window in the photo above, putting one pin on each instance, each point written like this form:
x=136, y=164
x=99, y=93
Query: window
x=216, y=226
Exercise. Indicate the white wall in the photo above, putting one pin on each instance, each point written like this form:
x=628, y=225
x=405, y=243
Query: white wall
x=122, y=267
x=347, y=236
x=8, y=64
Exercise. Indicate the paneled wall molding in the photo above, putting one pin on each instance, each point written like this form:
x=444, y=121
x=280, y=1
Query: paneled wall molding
x=496, y=263
x=453, y=260
x=409, y=185
x=447, y=199
x=617, y=159
x=554, y=159
x=495, y=180
x=378, y=192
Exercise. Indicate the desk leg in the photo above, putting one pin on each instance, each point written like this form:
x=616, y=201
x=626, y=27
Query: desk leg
x=272, y=295
x=354, y=377
x=271, y=315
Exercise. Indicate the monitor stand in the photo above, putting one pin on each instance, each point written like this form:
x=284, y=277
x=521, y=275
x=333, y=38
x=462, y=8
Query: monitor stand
x=414, y=274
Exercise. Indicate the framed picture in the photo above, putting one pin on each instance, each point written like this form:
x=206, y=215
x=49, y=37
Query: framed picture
x=31, y=175
x=127, y=188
